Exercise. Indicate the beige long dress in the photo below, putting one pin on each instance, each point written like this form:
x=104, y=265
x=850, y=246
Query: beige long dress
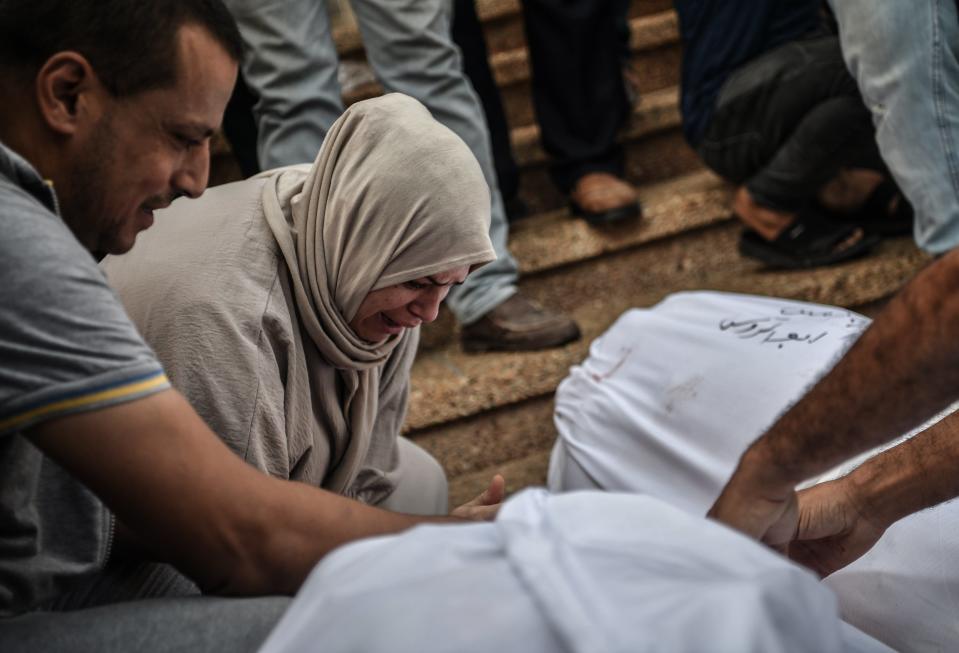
x=246, y=292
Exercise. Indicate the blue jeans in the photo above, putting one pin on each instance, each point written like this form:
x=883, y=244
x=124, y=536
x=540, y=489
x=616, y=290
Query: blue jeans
x=905, y=57
x=291, y=64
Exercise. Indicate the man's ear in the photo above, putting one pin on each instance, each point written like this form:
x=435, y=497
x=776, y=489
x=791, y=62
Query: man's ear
x=67, y=91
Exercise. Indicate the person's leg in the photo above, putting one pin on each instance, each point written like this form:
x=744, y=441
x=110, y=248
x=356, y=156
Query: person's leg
x=207, y=624
x=468, y=35
x=581, y=101
x=575, y=54
x=421, y=488
x=411, y=50
x=290, y=64
x=821, y=144
x=122, y=580
x=785, y=124
x=239, y=127
x=905, y=58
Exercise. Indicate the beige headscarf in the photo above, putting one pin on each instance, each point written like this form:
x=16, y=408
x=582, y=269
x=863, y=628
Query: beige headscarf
x=393, y=196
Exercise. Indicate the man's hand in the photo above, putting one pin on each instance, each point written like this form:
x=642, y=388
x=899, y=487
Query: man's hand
x=758, y=502
x=834, y=528
x=486, y=505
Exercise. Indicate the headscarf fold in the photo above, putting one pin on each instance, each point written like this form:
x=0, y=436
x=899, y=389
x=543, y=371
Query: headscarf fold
x=392, y=196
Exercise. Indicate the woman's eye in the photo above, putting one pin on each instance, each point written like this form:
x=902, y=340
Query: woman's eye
x=413, y=285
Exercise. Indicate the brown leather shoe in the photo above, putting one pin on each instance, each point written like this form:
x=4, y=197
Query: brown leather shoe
x=519, y=324
x=602, y=198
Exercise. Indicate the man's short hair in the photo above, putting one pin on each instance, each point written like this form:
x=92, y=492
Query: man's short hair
x=131, y=44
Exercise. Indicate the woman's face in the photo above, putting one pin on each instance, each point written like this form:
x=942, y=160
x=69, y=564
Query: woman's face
x=388, y=311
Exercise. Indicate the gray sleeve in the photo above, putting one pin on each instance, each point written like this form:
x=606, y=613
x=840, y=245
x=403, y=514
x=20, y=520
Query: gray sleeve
x=66, y=344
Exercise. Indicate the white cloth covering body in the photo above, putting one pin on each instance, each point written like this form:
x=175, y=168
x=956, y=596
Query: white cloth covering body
x=671, y=396
x=579, y=572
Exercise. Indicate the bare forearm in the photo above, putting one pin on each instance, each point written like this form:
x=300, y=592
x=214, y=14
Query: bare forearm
x=918, y=474
x=187, y=499
x=903, y=370
x=294, y=526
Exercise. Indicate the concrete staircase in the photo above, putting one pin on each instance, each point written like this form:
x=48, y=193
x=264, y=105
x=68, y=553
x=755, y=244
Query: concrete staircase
x=479, y=414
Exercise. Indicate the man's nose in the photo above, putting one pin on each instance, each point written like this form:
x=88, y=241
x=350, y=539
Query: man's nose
x=192, y=175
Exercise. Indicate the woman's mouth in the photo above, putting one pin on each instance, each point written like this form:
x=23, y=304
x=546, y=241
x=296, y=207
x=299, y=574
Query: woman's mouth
x=391, y=326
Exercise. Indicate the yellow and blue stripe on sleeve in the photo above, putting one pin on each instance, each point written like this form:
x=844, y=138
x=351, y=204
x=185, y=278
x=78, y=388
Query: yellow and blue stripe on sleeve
x=110, y=394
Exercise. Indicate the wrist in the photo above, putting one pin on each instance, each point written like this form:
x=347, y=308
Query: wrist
x=883, y=492
x=761, y=463
x=759, y=467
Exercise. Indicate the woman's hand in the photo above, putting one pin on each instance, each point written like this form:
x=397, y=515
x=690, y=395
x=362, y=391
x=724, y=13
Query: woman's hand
x=486, y=505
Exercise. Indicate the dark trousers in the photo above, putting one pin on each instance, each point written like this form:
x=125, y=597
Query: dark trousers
x=468, y=35
x=786, y=122
x=576, y=56
x=239, y=127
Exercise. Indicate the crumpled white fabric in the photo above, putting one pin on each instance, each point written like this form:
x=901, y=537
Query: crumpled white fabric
x=582, y=572
x=669, y=398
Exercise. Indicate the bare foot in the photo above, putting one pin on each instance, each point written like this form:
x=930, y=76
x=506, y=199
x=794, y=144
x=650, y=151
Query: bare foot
x=765, y=221
x=849, y=190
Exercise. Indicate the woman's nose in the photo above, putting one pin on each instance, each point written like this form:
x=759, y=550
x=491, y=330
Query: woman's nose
x=427, y=306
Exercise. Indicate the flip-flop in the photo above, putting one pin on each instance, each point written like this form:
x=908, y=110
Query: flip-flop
x=874, y=215
x=811, y=241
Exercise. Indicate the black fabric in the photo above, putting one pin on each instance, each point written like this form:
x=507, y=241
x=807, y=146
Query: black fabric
x=786, y=122
x=239, y=127
x=576, y=57
x=468, y=35
x=577, y=50
x=719, y=36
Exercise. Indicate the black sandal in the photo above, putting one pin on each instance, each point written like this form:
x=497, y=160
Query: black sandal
x=811, y=241
x=874, y=215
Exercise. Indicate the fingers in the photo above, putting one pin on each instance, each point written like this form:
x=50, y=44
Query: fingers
x=496, y=491
x=814, y=556
x=786, y=523
x=491, y=495
x=485, y=506
x=481, y=513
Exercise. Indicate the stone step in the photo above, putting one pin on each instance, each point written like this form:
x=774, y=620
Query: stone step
x=555, y=239
x=654, y=42
x=483, y=413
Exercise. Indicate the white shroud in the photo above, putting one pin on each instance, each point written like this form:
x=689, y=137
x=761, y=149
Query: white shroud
x=669, y=398
x=582, y=572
